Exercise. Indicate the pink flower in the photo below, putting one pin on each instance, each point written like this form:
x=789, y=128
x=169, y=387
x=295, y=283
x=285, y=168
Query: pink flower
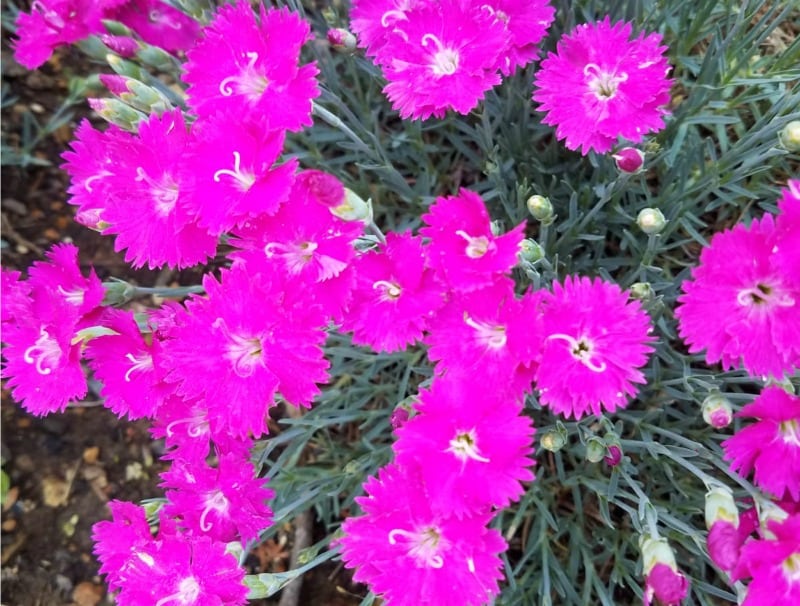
x=374, y=20
x=595, y=342
x=526, y=22
x=226, y=504
x=441, y=56
x=739, y=307
x=463, y=249
x=601, y=85
x=395, y=295
x=236, y=172
x=724, y=544
x=115, y=541
x=159, y=24
x=472, y=447
x=61, y=274
x=410, y=555
x=771, y=445
x=666, y=585
x=774, y=565
x=249, y=67
x=491, y=332
x=787, y=232
x=629, y=160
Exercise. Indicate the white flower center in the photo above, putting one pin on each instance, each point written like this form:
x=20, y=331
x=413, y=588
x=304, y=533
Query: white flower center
x=764, y=295
x=603, y=84
x=164, y=191
x=424, y=545
x=491, y=336
x=444, y=60
x=790, y=432
x=582, y=350
x=390, y=291
x=465, y=446
x=141, y=363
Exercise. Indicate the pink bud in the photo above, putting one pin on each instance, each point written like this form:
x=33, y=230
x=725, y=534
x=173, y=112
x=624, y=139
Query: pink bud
x=666, y=585
x=613, y=456
x=341, y=39
x=115, y=84
x=724, y=544
x=399, y=417
x=717, y=411
x=629, y=160
x=124, y=46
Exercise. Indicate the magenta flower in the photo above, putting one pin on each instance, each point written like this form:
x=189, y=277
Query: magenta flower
x=526, y=22
x=595, y=342
x=771, y=445
x=248, y=66
x=739, y=307
x=786, y=255
x=115, y=541
x=462, y=248
x=158, y=23
x=774, y=565
x=602, y=85
x=226, y=504
x=395, y=295
x=440, y=56
x=236, y=172
x=374, y=20
x=410, y=555
x=61, y=274
x=724, y=544
x=666, y=585
x=472, y=447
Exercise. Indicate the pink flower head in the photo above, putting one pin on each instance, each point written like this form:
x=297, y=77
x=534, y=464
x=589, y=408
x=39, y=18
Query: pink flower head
x=61, y=274
x=52, y=23
x=307, y=242
x=771, y=445
x=463, y=249
x=123, y=363
x=724, y=544
x=440, y=56
x=394, y=297
x=249, y=66
x=601, y=85
x=739, y=307
x=595, y=342
x=374, y=20
x=239, y=345
x=491, y=332
x=159, y=24
x=236, y=175
x=411, y=555
x=774, y=565
x=670, y=587
x=526, y=22
x=226, y=504
x=472, y=447
x=787, y=230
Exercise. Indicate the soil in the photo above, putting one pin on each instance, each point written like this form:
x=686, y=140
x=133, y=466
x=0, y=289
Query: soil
x=63, y=469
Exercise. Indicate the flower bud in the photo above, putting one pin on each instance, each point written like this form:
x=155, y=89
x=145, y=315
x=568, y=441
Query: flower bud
x=353, y=208
x=663, y=580
x=651, y=220
x=724, y=545
x=530, y=251
x=629, y=160
x=117, y=112
x=115, y=84
x=342, y=40
x=642, y=291
x=124, y=46
x=613, y=455
x=541, y=209
x=721, y=506
x=717, y=411
x=790, y=136
x=399, y=417
x=595, y=449
x=555, y=439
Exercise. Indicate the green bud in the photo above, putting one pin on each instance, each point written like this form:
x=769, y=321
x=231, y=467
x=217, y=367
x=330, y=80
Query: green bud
x=145, y=98
x=530, y=251
x=595, y=449
x=642, y=291
x=651, y=220
x=354, y=208
x=161, y=60
x=541, y=209
x=790, y=136
x=721, y=506
x=117, y=112
x=553, y=441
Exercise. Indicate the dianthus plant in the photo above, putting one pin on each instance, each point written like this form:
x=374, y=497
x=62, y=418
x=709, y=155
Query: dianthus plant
x=475, y=416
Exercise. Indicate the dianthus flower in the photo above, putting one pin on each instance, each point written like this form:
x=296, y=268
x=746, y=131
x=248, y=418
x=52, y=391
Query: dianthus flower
x=739, y=307
x=159, y=24
x=526, y=22
x=225, y=503
x=489, y=331
x=240, y=344
x=774, y=565
x=249, y=66
x=171, y=569
x=472, y=447
x=663, y=580
x=395, y=295
x=463, y=249
x=236, y=175
x=440, y=56
x=601, y=85
x=786, y=254
x=373, y=20
x=595, y=342
x=412, y=556
x=771, y=445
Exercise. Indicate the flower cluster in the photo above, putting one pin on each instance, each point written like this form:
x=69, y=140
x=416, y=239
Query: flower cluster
x=741, y=304
x=601, y=85
x=445, y=54
x=53, y=23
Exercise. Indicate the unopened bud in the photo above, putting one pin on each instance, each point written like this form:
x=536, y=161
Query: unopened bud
x=595, y=449
x=721, y=506
x=717, y=411
x=117, y=112
x=342, y=40
x=115, y=84
x=353, y=208
x=124, y=46
x=613, y=456
x=555, y=439
x=642, y=291
x=629, y=160
x=541, y=209
x=651, y=220
x=145, y=98
x=790, y=136
x=530, y=251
